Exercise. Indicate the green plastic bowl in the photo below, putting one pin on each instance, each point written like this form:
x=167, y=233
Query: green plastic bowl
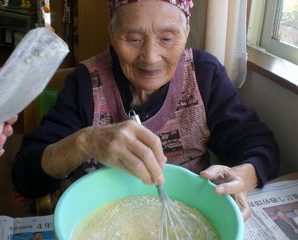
x=105, y=185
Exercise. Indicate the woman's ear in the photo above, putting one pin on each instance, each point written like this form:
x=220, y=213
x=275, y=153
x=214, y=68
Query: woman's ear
x=187, y=30
x=110, y=30
x=111, y=34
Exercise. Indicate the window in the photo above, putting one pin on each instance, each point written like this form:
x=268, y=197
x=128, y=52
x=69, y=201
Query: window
x=273, y=27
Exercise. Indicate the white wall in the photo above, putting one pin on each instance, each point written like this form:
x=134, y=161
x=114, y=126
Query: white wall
x=278, y=108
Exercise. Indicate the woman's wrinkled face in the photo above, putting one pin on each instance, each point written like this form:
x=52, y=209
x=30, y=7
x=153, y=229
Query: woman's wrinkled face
x=149, y=37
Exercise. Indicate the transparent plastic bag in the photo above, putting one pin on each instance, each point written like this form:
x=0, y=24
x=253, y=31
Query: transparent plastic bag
x=28, y=70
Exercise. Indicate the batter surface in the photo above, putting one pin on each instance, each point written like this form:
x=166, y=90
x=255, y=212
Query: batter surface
x=137, y=218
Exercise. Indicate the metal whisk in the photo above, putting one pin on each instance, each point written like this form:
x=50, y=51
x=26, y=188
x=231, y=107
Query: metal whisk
x=170, y=218
x=170, y=221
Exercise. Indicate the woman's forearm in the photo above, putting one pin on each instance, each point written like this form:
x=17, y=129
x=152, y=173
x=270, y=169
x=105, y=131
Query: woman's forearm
x=61, y=158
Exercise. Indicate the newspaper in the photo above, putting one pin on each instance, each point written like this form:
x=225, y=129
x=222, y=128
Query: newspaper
x=27, y=228
x=274, y=217
x=274, y=212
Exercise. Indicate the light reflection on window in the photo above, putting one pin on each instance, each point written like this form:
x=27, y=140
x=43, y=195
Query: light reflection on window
x=288, y=25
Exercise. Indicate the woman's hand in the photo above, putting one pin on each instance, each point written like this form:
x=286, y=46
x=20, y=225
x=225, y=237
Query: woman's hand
x=128, y=146
x=6, y=132
x=237, y=181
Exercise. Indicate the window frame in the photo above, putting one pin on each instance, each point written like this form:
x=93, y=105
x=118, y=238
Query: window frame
x=262, y=33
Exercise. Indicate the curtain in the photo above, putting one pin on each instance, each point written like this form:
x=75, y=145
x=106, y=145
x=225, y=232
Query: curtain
x=223, y=33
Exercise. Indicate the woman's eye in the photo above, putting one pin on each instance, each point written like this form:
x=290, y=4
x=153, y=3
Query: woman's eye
x=167, y=40
x=135, y=40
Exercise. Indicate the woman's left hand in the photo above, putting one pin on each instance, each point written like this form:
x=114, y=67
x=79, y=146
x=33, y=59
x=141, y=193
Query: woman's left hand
x=237, y=181
x=6, y=132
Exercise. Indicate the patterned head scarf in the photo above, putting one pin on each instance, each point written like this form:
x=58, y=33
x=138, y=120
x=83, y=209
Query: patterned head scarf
x=184, y=5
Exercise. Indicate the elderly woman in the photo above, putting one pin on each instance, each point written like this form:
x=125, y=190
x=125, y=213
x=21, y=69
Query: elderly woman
x=185, y=101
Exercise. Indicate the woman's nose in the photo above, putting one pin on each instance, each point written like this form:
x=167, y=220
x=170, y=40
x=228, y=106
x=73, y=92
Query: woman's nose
x=151, y=52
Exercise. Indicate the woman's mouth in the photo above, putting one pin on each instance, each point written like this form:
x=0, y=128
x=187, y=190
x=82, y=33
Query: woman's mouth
x=149, y=73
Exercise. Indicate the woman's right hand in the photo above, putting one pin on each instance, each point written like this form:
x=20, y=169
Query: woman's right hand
x=128, y=146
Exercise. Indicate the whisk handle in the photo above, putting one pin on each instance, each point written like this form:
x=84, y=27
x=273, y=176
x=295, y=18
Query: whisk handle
x=133, y=116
